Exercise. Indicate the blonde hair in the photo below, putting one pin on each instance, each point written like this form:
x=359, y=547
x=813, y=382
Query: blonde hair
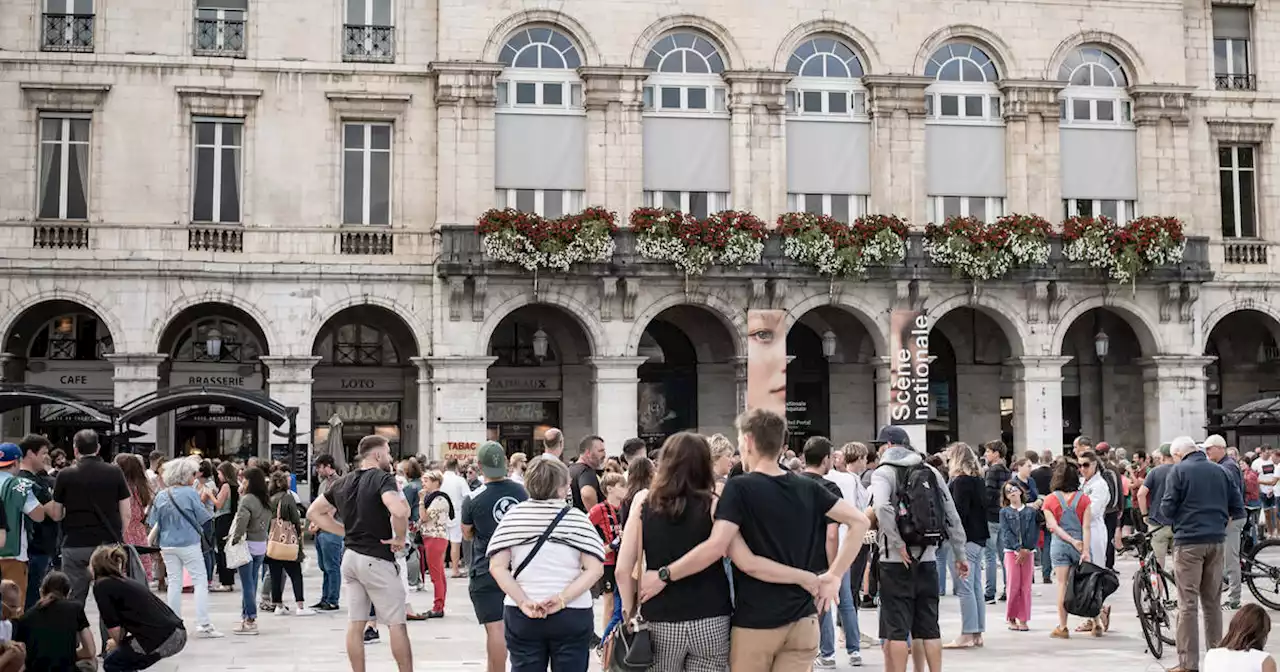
x=611, y=480
x=961, y=460
x=517, y=461
x=720, y=446
x=433, y=476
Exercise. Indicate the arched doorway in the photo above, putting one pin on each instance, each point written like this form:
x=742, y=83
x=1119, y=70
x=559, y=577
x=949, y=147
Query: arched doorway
x=213, y=344
x=970, y=387
x=690, y=379
x=61, y=345
x=366, y=380
x=1246, y=368
x=539, y=379
x=831, y=378
x=1103, y=380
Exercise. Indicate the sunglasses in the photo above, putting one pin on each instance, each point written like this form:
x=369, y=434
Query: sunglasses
x=1086, y=465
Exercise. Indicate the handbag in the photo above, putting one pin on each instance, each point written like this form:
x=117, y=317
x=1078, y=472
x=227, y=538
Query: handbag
x=236, y=555
x=282, y=538
x=630, y=645
x=206, y=545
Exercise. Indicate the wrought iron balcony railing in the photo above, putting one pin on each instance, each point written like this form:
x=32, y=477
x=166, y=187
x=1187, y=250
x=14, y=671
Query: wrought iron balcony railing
x=1235, y=82
x=220, y=37
x=369, y=43
x=68, y=32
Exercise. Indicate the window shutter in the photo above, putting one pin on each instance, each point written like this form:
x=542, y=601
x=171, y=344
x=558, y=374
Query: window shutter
x=1231, y=22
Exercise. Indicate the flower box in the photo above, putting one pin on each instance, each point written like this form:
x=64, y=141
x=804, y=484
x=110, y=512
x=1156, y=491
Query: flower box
x=974, y=249
x=693, y=245
x=837, y=249
x=534, y=242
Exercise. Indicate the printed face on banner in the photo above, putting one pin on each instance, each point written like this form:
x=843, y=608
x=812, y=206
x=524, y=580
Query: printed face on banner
x=767, y=360
x=909, y=370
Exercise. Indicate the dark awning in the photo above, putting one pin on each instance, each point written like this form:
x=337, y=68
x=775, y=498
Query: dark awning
x=21, y=395
x=245, y=402
x=1259, y=413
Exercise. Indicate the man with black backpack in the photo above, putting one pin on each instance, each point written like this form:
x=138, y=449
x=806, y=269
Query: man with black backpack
x=915, y=515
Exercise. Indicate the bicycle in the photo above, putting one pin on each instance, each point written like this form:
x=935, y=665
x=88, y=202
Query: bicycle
x=1151, y=596
x=1262, y=576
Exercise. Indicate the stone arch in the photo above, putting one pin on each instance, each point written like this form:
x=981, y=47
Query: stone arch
x=1015, y=331
x=845, y=31
x=728, y=48
x=498, y=36
x=1144, y=327
x=1236, y=306
x=264, y=324
x=995, y=47
x=574, y=309
x=1118, y=46
x=733, y=319
x=421, y=334
x=114, y=325
x=853, y=305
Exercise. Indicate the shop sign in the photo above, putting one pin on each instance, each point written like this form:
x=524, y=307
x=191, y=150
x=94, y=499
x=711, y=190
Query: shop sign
x=358, y=412
x=218, y=374
x=508, y=380
x=73, y=379
x=458, y=449
x=909, y=368
x=519, y=411
x=348, y=381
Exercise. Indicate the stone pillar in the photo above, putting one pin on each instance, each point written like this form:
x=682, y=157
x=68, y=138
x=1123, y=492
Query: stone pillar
x=757, y=103
x=464, y=97
x=289, y=383
x=1163, y=117
x=459, y=399
x=1037, y=403
x=852, y=403
x=614, y=98
x=884, y=368
x=1033, y=161
x=896, y=106
x=138, y=374
x=739, y=385
x=616, y=393
x=1174, y=397
x=978, y=391
x=425, y=407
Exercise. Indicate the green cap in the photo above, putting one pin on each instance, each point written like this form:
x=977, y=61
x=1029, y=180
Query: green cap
x=1166, y=449
x=492, y=458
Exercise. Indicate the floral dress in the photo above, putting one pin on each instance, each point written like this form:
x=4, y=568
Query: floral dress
x=135, y=531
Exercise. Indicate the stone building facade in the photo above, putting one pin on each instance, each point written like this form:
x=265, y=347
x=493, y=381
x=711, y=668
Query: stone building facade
x=325, y=164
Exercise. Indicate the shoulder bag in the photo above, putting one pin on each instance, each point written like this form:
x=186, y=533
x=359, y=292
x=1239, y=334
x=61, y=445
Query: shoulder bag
x=546, y=534
x=134, y=570
x=282, y=538
x=205, y=544
x=630, y=645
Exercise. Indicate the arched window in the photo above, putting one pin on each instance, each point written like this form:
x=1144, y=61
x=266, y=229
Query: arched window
x=965, y=84
x=77, y=337
x=217, y=339
x=356, y=345
x=686, y=78
x=1096, y=92
x=827, y=80
x=541, y=71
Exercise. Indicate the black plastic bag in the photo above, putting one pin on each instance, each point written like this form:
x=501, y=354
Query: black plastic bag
x=1088, y=587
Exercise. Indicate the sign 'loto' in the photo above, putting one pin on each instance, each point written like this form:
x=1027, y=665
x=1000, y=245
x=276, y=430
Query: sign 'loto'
x=909, y=370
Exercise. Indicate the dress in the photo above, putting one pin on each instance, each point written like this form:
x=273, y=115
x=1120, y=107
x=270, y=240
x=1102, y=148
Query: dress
x=135, y=532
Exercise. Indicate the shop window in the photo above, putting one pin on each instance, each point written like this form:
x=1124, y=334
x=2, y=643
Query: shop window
x=72, y=337
x=217, y=339
x=357, y=345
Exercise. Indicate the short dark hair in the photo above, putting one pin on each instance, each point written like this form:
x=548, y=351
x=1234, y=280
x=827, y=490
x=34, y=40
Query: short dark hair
x=371, y=443
x=32, y=443
x=632, y=447
x=156, y=456
x=766, y=428
x=1032, y=457
x=586, y=442
x=1066, y=477
x=1084, y=441
x=451, y=464
x=997, y=447
x=85, y=442
x=816, y=449
x=326, y=460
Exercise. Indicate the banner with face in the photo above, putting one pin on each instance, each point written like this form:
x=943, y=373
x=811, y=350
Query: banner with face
x=767, y=360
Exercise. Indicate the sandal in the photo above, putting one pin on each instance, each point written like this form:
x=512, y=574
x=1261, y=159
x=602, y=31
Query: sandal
x=415, y=617
x=1105, y=618
x=1022, y=627
x=1060, y=633
x=958, y=645
x=1087, y=626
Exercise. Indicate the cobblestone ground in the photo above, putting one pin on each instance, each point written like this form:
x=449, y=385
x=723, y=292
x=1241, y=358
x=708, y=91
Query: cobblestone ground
x=315, y=644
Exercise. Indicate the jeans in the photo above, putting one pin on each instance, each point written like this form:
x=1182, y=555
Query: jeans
x=278, y=568
x=993, y=558
x=191, y=559
x=616, y=619
x=329, y=556
x=849, y=585
x=973, y=609
x=249, y=587
x=728, y=570
x=208, y=556
x=1046, y=565
x=562, y=640
x=37, y=568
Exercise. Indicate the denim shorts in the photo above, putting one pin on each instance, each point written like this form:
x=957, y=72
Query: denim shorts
x=1062, y=554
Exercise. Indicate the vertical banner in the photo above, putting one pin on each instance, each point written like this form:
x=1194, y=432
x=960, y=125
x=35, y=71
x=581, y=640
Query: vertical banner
x=909, y=370
x=767, y=361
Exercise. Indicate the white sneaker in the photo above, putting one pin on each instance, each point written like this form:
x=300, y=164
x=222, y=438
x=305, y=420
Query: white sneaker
x=304, y=611
x=208, y=632
x=855, y=659
x=824, y=663
x=283, y=610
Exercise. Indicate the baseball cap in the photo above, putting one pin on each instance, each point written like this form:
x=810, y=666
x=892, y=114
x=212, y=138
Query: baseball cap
x=1165, y=449
x=492, y=458
x=1102, y=447
x=894, y=435
x=1215, y=441
x=9, y=453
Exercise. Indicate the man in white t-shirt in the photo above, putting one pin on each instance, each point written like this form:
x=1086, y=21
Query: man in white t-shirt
x=1268, y=475
x=853, y=459
x=455, y=487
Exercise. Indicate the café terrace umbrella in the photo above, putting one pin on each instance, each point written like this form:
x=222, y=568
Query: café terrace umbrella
x=333, y=445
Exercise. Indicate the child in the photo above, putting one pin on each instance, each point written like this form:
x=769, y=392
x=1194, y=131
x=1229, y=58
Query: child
x=10, y=608
x=55, y=631
x=1018, y=536
x=605, y=517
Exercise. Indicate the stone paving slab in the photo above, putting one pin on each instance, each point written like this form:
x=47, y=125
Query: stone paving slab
x=315, y=644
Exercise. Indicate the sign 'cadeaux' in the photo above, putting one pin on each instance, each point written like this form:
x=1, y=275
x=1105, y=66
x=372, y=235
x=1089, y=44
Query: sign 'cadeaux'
x=909, y=370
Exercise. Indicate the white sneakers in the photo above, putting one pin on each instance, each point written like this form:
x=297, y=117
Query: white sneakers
x=208, y=632
x=304, y=611
x=855, y=659
x=287, y=610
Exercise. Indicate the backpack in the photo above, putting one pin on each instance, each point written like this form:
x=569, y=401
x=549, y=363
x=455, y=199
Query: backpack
x=920, y=513
x=1113, y=484
x=1088, y=587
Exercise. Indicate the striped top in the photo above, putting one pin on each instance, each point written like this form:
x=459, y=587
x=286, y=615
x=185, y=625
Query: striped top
x=526, y=521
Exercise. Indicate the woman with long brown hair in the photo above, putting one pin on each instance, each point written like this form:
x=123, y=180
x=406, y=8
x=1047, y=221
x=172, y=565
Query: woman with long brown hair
x=1243, y=649
x=140, y=497
x=225, y=505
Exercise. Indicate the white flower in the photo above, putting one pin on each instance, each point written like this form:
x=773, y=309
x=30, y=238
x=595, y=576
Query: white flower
x=741, y=249
x=592, y=244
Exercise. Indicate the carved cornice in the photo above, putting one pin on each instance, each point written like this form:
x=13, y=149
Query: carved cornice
x=750, y=88
x=457, y=81
x=890, y=93
x=64, y=97
x=1030, y=96
x=604, y=86
x=1242, y=131
x=218, y=102
x=1153, y=103
x=369, y=104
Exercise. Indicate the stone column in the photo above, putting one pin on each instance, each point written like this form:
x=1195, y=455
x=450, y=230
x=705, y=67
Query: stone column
x=978, y=392
x=617, y=400
x=1163, y=117
x=459, y=399
x=757, y=103
x=137, y=374
x=614, y=98
x=465, y=99
x=1174, y=397
x=896, y=106
x=739, y=385
x=289, y=383
x=1037, y=403
x=1033, y=160
x=425, y=407
x=884, y=368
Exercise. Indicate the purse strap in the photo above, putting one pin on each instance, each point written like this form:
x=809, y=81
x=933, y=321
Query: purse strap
x=546, y=534
x=199, y=530
x=637, y=618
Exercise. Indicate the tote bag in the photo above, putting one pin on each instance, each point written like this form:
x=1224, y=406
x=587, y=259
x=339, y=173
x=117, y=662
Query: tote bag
x=282, y=538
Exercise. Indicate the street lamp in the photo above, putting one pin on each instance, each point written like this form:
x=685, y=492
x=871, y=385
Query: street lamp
x=213, y=344
x=1101, y=344
x=828, y=344
x=540, y=344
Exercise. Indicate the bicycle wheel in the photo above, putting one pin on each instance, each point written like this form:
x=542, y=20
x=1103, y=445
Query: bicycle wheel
x=1168, y=607
x=1149, y=608
x=1261, y=571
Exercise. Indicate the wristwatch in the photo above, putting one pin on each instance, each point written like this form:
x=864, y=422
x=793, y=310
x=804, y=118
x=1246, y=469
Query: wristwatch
x=664, y=573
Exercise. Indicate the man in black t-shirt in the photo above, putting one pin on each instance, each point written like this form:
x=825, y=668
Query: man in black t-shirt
x=774, y=526
x=481, y=513
x=817, y=463
x=44, y=535
x=375, y=521
x=584, y=475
